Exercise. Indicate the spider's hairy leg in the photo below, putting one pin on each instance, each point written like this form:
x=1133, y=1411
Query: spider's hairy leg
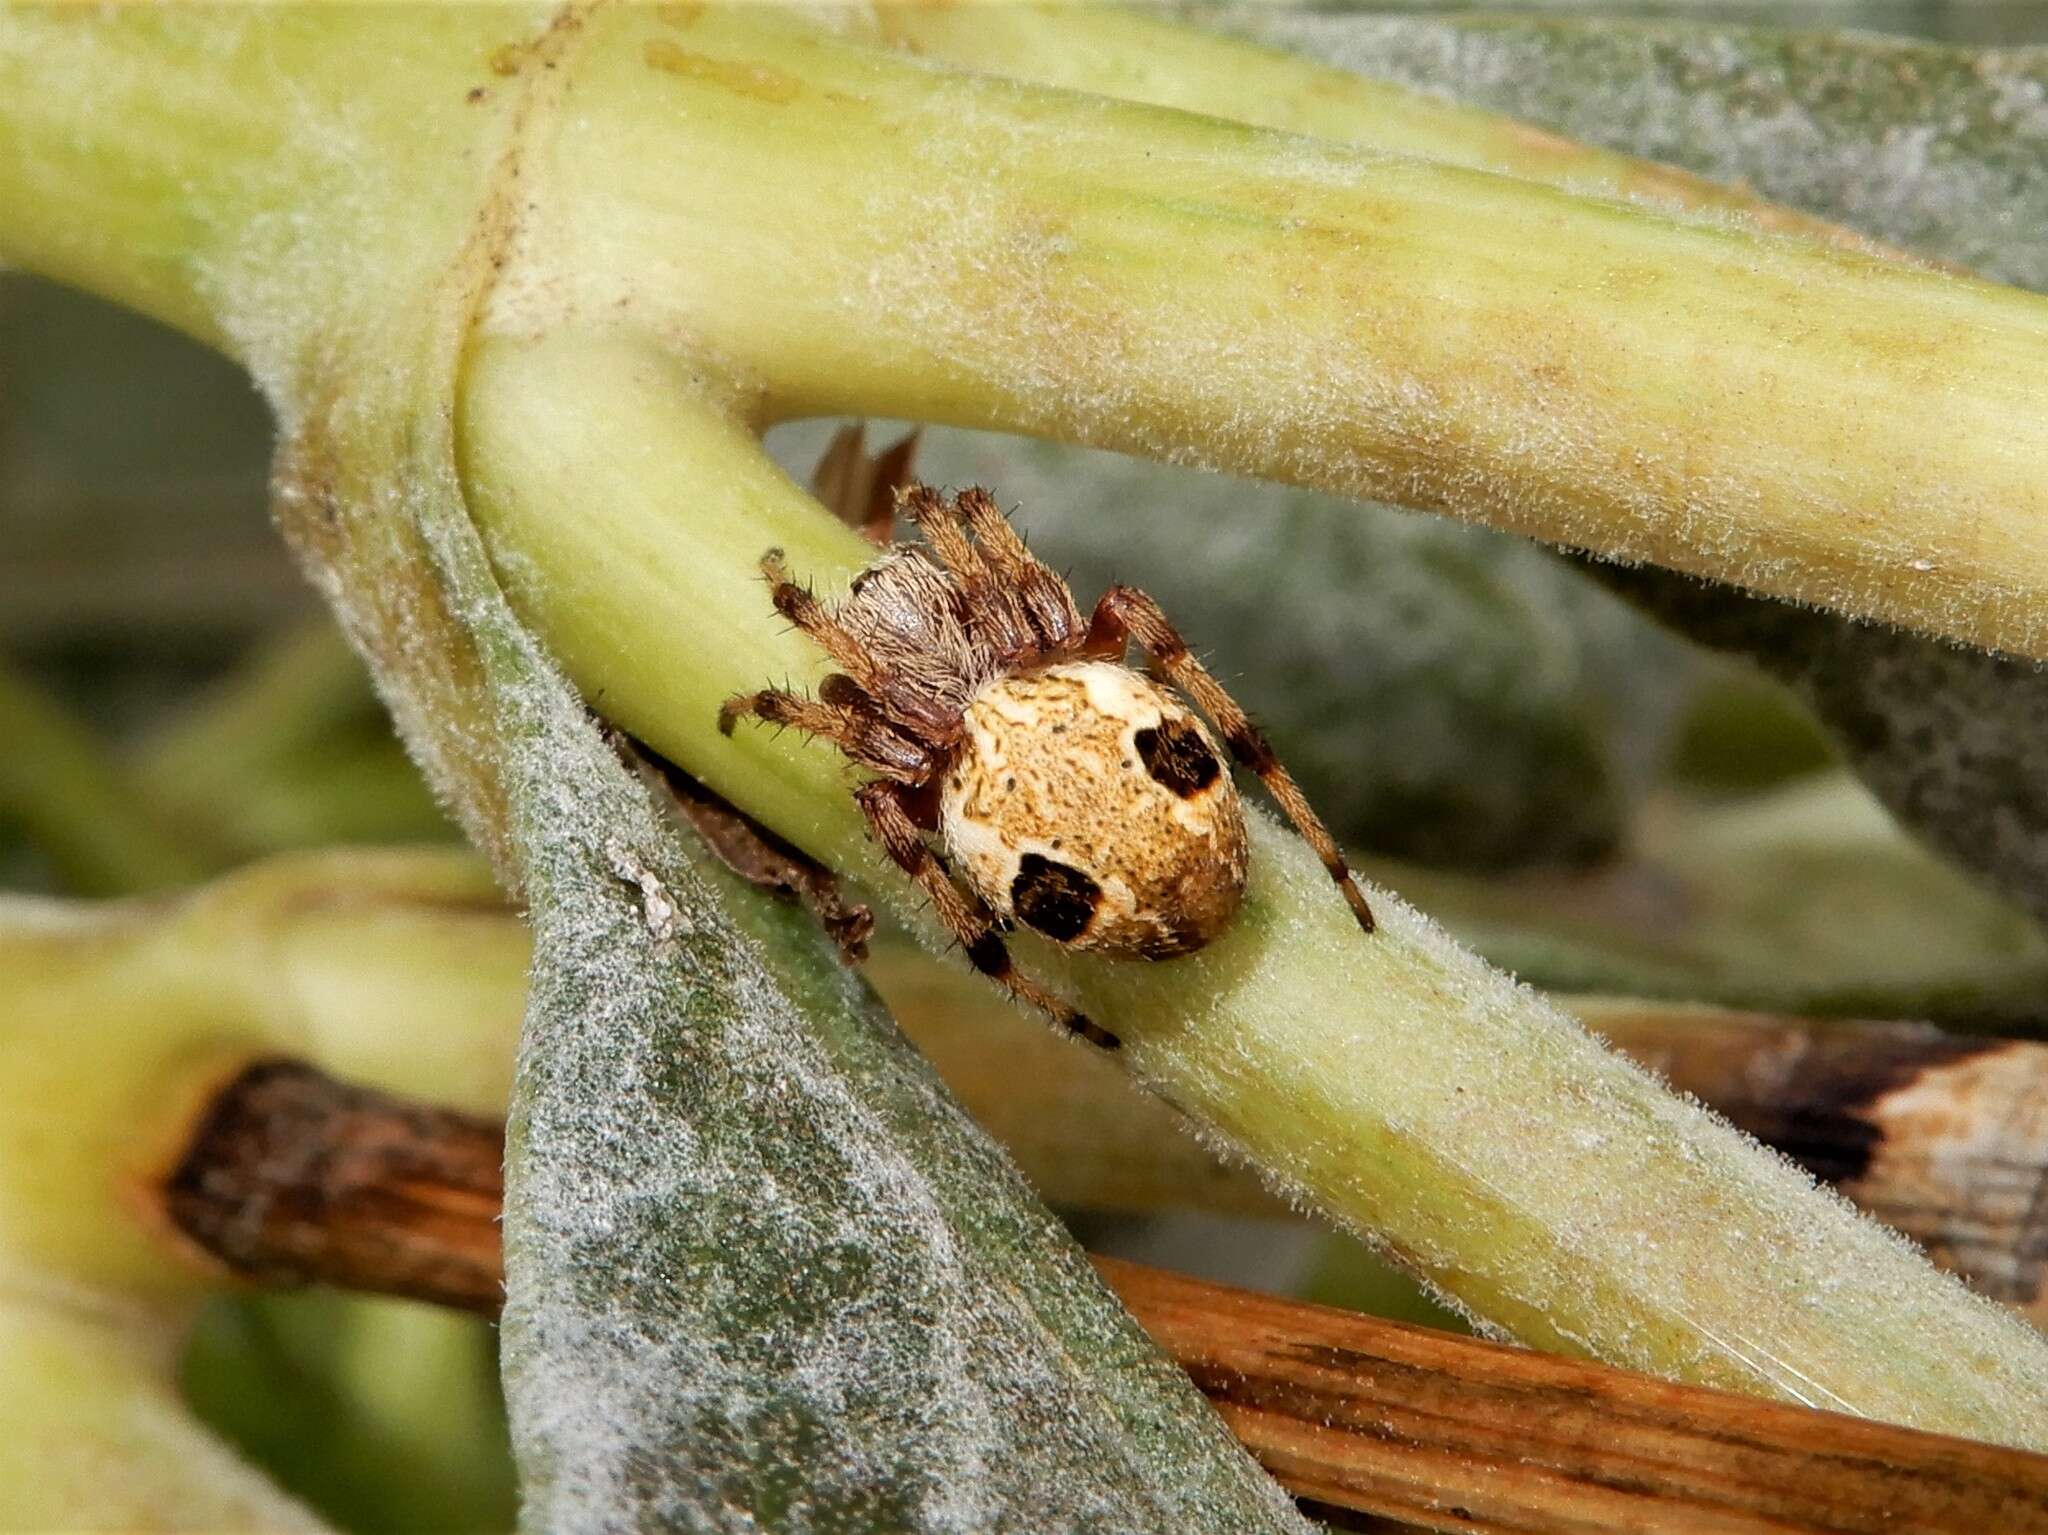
x=844, y=716
x=1045, y=595
x=943, y=532
x=964, y=916
x=748, y=848
x=800, y=605
x=1125, y=614
x=995, y=610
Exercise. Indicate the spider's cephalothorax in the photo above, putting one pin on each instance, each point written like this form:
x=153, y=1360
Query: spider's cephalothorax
x=1077, y=797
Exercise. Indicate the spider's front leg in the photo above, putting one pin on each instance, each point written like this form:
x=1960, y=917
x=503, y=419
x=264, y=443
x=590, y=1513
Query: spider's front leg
x=843, y=714
x=969, y=921
x=1124, y=615
x=800, y=605
x=995, y=608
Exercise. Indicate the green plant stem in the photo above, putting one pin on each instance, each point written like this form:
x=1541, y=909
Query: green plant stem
x=292, y=750
x=1585, y=372
x=385, y=1415
x=1614, y=1219
x=296, y=695
x=172, y=161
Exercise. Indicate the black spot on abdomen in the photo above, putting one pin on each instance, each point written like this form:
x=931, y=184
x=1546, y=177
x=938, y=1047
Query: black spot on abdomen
x=1055, y=898
x=1175, y=753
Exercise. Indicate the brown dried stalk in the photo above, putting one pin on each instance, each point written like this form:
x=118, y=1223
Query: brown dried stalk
x=291, y=1176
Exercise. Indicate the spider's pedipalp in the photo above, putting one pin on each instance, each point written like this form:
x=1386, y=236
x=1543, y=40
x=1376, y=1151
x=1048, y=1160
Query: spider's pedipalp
x=800, y=605
x=969, y=921
x=1123, y=613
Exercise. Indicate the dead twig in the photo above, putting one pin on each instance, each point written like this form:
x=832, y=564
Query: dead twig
x=293, y=1177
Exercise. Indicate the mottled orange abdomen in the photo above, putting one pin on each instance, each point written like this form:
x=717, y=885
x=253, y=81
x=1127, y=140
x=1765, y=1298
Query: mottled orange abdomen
x=1091, y=805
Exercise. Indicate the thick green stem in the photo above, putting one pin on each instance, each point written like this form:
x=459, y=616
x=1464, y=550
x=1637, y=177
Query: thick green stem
x=1371, y=1078
x=1585, y=372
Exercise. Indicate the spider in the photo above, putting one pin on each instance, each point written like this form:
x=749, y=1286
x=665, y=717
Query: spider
x=1078, y=797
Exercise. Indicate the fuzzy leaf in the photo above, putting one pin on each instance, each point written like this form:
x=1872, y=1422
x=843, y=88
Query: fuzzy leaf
x=1938, y=149
x=767, y=1274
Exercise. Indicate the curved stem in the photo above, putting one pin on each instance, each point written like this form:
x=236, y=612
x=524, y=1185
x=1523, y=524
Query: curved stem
x=1369, y=1077
x=1586, y=372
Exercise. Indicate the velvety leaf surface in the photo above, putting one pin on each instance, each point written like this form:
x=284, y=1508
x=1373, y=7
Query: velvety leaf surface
x=766, y=1273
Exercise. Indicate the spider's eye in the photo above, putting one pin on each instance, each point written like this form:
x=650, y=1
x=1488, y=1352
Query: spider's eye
x=1056, y=898
x=1174, y=752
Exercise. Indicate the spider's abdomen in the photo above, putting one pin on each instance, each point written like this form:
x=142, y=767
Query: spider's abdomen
x=1090, y=804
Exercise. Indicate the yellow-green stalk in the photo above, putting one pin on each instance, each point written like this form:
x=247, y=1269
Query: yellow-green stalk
x=119, y=1021
x=121, y=1018
x=1586, y=372
x=1123, y=52
x=658, y=229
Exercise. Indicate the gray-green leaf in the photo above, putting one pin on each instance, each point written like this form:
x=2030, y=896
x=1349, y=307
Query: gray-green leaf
x=764, y=1271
